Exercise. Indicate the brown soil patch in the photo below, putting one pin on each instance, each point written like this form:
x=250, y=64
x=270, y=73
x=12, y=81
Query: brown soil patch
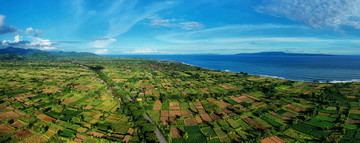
x=164, y=113
x=175, y=113
x=352, y=121
x=215, y=117
x=81, y=136
x=236, y=99
x=198, y=119
x=314, y=89
x=250, y=121
x=5, y=128
x=158, y=102
x=126, y=139
x=130, y=131
x=88, y=107
x=225, y=86
x=175, y=133
x=18, y=124
x=148, y=92
x=174, y=106
x=206, y=117
x=324, y=114
x=9, y=114
x=191, y=122
x=225, y=103
x=272, y=139
x=41, y=116
x=23, y=133
x=20, y=113
x=186, y=113
x=199, y=107
x=165, y=120
x=95, y=134
x=157, y=107
x=48, y=119
x=297, y=109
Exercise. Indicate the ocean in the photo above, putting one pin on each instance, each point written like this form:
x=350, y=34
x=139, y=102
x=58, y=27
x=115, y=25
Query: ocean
x=300, y=68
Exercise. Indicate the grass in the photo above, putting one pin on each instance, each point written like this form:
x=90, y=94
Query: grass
x=209, y=131
x=194, y=134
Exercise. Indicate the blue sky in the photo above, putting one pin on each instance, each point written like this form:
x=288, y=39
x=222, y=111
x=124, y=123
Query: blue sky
x=182, y=26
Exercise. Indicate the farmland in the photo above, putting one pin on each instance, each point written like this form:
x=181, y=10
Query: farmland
x=87, y=100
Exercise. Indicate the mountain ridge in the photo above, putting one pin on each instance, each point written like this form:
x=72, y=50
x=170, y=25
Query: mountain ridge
x=281, y=53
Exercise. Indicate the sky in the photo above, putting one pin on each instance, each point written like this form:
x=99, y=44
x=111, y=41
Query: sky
x=118, y=27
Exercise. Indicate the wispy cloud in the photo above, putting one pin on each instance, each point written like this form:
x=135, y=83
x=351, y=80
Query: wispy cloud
x=191, y=25
x=101, y=43
x=156, y=21
x=101, y=38
x=245, y=34
x=101, y=51
x=142, y=51
x=123, y=15
x=29, y=30
x=316, y=13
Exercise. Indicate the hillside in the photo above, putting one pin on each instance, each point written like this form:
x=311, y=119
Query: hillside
x=283, y=54
x=16, y=53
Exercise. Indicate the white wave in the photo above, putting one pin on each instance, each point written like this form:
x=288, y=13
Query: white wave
x=344, y=81
x=271, y=76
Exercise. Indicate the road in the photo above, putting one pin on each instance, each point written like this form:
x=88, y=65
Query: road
x=147, y=118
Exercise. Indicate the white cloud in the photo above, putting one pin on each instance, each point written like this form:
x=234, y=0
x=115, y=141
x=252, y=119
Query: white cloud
x=191, y=25
x=2, y=17
x=42, y=44
x=101, y=51
x=4, y=29
x=316, y=13
x=102, y=43
x=37, y=43
x=156, y=21
x=17, y=38
x=248, y=34
x=29, y=30
x=142, y=51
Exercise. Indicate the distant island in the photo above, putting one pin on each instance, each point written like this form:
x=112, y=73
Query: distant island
x=279, y=53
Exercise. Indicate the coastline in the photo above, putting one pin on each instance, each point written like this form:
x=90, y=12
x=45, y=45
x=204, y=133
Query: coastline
x=309, y=80
x=262, y=75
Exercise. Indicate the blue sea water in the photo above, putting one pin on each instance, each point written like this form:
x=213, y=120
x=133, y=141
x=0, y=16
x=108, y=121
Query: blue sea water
x=300, y=68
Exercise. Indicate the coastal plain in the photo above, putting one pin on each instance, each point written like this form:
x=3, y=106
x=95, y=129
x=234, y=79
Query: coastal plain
x=128, y=99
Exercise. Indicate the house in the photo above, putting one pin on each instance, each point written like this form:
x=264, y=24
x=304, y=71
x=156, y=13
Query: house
x=139, y=99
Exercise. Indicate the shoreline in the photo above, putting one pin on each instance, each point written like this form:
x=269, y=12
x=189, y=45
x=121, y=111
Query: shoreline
x=271, y=76
x=261, y=75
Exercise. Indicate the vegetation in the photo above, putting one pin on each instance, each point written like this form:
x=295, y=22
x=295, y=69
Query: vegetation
x=56, y=98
